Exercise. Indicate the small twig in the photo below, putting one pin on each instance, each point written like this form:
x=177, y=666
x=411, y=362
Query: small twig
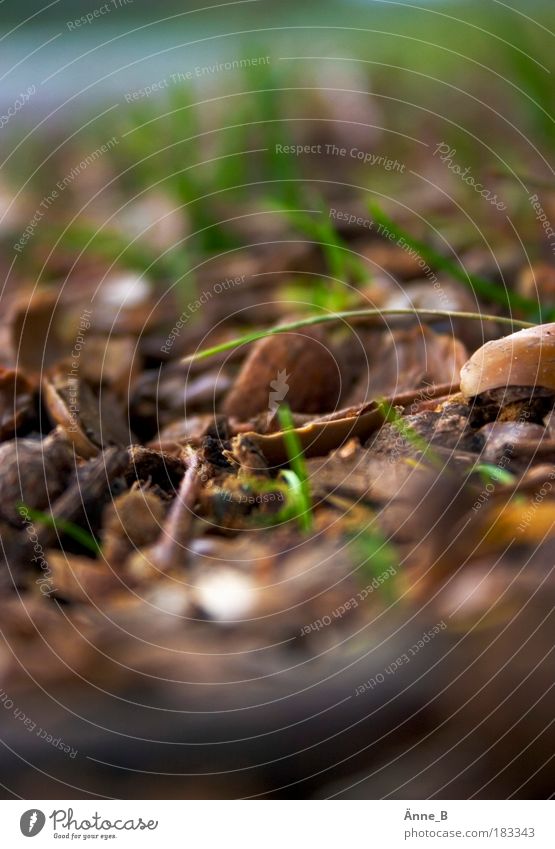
x=168, y=551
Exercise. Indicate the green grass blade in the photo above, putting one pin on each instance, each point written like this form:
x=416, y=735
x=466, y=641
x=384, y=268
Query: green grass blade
x=347, y=315
x=377, y=559
x=494, y=474
x=72, y=530
x=298, y=465
x=480, y=285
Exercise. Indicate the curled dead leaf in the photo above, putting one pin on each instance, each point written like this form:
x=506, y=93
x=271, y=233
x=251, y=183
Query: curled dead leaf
x=326, y=433
x=72, y=404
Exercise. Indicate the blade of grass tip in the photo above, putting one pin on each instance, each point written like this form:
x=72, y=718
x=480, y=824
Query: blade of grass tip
x=281, y=170
x=297, y=463
x=481, y=285
x=346, y=315
x=294, y=495
x=72, y=530
x=316, y=225
x=322, y=230
x=495, y=474
x=337, y=249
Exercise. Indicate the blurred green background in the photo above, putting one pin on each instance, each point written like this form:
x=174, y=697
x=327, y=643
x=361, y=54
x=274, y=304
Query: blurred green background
x=391, y=78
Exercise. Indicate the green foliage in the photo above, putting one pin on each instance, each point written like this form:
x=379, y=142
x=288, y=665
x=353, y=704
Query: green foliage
x=271, y=122
x=392, y=416
x=333, y=293
x=292, y=492
x=494, y=474
x=176, y=165
x=62, y=526
x=535, y=82
x=377, y=560
x=296, y=478
x=480, y=285
x=115, y=248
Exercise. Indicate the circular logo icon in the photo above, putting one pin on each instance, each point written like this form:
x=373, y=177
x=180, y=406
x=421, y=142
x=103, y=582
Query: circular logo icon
x=32, y=822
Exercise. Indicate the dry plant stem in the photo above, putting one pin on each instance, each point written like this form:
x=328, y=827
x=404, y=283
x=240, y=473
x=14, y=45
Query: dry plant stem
x=86, y=491
x=169, y=552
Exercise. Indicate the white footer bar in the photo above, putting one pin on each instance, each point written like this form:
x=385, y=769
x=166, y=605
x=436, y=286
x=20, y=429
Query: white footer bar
x=278, y=824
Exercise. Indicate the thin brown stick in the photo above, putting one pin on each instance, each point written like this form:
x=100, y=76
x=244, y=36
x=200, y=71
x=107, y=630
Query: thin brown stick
x=169, y=551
